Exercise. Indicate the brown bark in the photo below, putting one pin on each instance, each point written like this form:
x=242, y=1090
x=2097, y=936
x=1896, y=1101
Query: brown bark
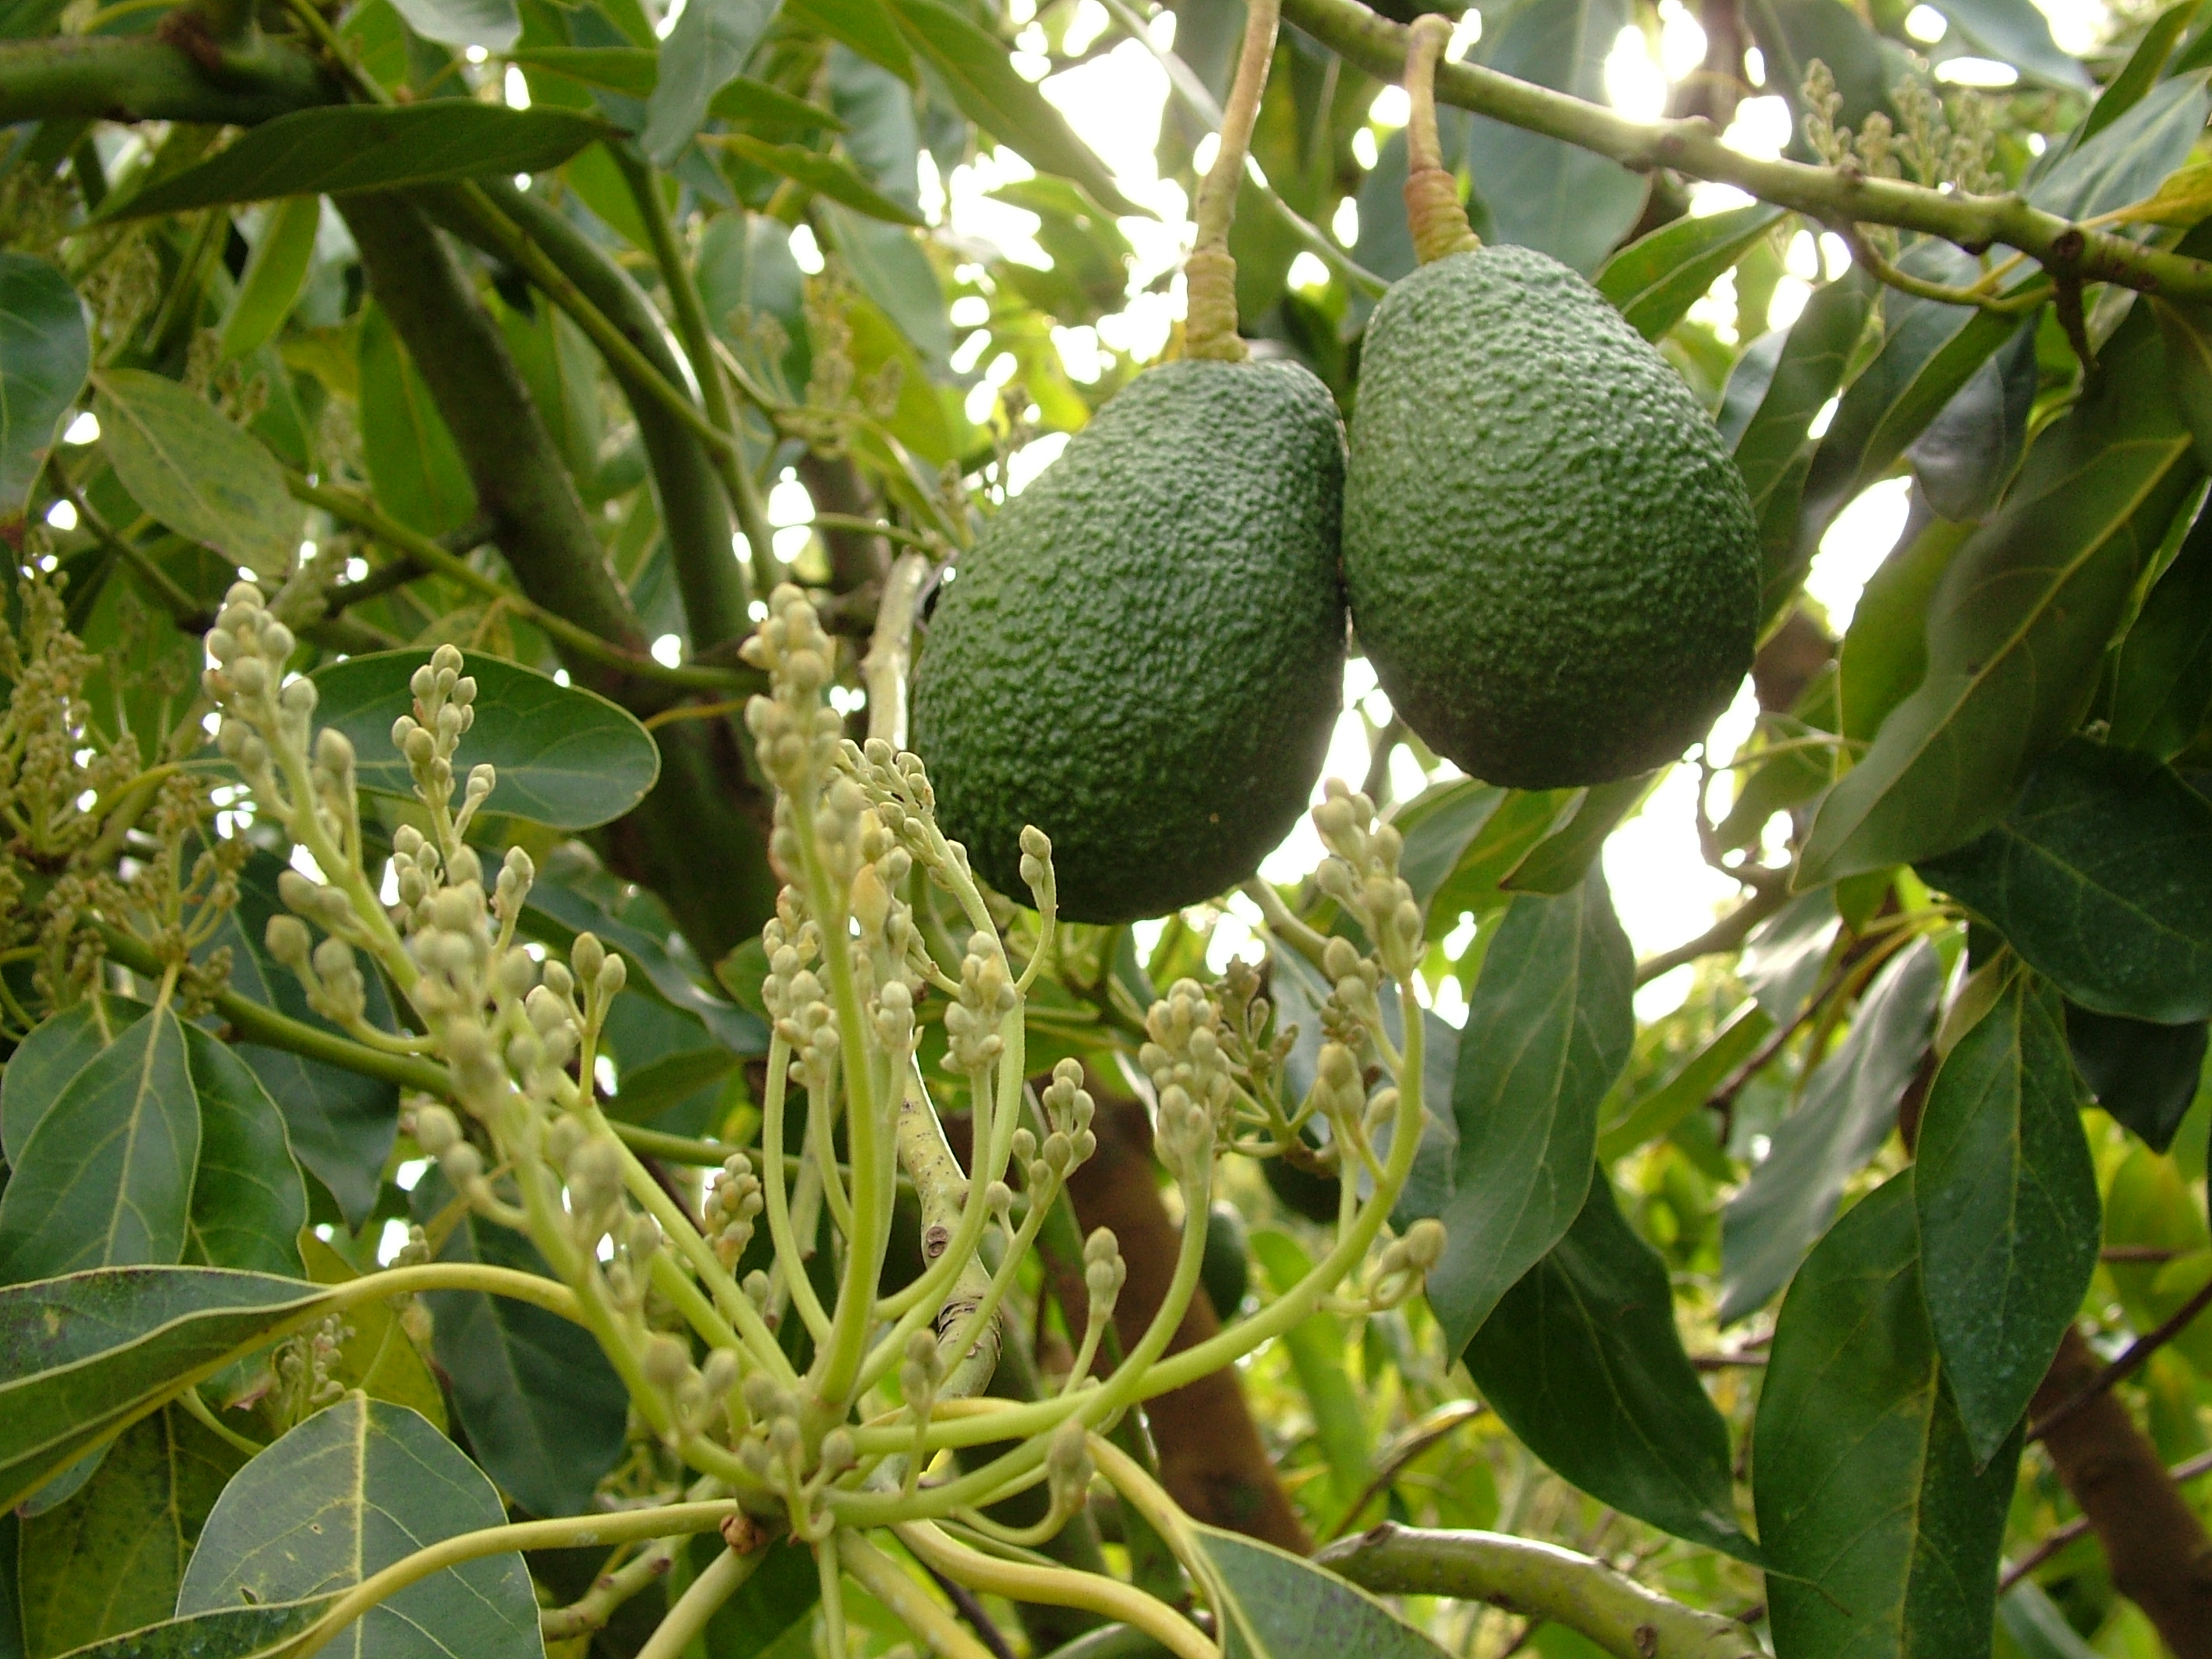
x=1213, y=1461
x=2160, y=1556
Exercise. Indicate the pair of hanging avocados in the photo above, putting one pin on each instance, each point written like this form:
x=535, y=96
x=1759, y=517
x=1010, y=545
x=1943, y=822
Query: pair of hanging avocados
x=1547, y=551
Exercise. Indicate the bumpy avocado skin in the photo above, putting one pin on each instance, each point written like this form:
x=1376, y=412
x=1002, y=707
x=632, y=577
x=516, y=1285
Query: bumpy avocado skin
x=1143, y=654
x=1551, y=559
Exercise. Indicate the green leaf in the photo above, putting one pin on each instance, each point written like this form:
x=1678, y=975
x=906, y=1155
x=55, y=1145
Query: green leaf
x=2098, y=876
x=43, y=355
x=110, y=1560
x=82, y=1357
x=347, y=147
x=105, y=1178
x=1655, y=280
x=340, y=1123
x=357, y=1487
x=1518, y=823
x=630, y=70
x=1279, y=1606
x=2141, y=72
x=2162, y=681
x=197, y=472
x=864, y=25
x=1543, y=192
x=562, y=370
x=544, y=1409
x=1885, y=653
x=1581, y=1360
x=2015, y=32
x=1657, y=1110
x=413, y=465
x=2010, y=1224
x=1316, y=1345
x=1848, y=1110
x=1773, y=448
x=2188, y=330
x=1881, y=1527
x=1558, y=863
x=1548, y=1028
x=2143, y=1074
x=892, y=270
x=567, y=757
x=974, y=65
x=59, y=1047
x=758, y=105
x=2127, y=161
x=825, y=175
x=772, y=1612
x=709, y=47
x=227, y=1633
x=275, y=273
x=491, y=24
x=248, y=1201
x=377, y=1356
x=1791, y=33
x=1967, y=454
x=2017, y=627
x=2032, y=1620
x=1438, y=824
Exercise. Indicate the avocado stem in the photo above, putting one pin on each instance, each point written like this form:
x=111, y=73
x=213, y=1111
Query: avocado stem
x=1432, y=210
x=1210, y=275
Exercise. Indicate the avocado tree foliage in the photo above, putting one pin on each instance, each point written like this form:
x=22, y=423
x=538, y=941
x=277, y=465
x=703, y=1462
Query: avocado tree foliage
x=523, y=1136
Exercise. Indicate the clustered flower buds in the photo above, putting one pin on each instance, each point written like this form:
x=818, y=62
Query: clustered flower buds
x=1190, y=1076
x=1363, y=876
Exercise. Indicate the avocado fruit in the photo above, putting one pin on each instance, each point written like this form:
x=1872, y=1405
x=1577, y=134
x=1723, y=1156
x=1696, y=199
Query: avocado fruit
x=1143, y=654
x=1551, y=562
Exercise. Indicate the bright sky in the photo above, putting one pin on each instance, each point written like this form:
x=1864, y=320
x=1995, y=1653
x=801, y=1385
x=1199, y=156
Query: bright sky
x=1664, y=892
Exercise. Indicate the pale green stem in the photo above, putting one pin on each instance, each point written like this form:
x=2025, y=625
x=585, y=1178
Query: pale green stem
x=777, y=1202
x=721, y=1580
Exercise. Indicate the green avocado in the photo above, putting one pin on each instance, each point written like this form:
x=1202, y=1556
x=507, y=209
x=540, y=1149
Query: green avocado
x=1551, y=562
x=1143, y=654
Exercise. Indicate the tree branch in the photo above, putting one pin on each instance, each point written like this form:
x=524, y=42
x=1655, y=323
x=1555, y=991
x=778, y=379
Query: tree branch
x=175, y=74
x=2138, y=1352
x=1540, y=1581
x=1832, y=196
x=1726, y=935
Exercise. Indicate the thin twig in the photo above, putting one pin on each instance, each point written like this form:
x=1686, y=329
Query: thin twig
x=1869, y=259
x=965, y=1603
x=2138, y=1352
x=1726, y=935
x=2200, y=1464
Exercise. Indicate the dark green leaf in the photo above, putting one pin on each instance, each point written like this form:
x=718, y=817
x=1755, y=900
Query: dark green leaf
x=1581, y=1360
x=2188, y=330
x=746, y=267
x=667, y=1080
x=825, y=175
x=413, y=465
x=882, y=125
x=197, y=472
x=275, y=273
x=1548, y=1029
x=1784, y=955
x=1791, y=33
x=864, y=25
x=2127, y=161
x=1543, y=192
x=377, y=1356
x=491, y=24
x=1849, y=1110
x=348, y=147
x=357, y=1487
x=1968, y=453
x=43, y=355
x=2099, y=876
x=984, y=84
x=1559, y=862
x=1885, y=651
x=1518, y=822
x=1657, y=1110
x=1279, y=1606
x=630, y=70
x=248, y=1202
x=770, y=109
x=83, y=1357
x=1882, y=1529
x=1315, y=1346
x=2143, y=1074
x=1773, y=448
x=1655, y=279
x=227, y=1633
x=544, y=1410
x=2017, y=627
x=2015, y=32
x=110, y=1560
x=59, y=1047
x=562, y=369
x=2008, y=1213
x=340, y=1123
x=2140, y=73
x=707, y=47
x=567, y=757
x=105, y=1178
x=778, y=1600
x=1437, y=825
